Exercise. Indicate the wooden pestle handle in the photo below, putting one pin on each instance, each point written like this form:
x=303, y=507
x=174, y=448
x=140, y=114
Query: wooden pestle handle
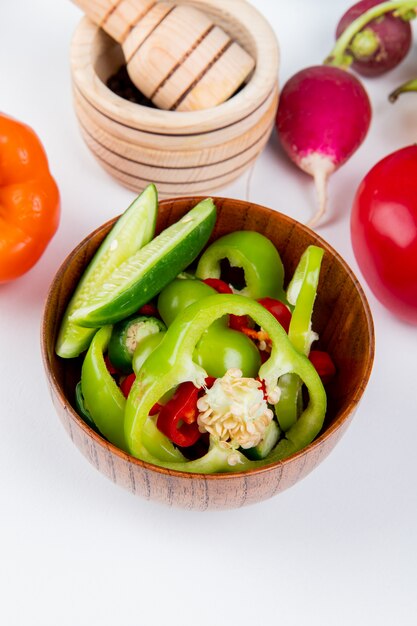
x=175, y=54
x=116, y=17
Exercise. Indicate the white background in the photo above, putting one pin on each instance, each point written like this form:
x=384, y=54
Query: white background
x=339, y=547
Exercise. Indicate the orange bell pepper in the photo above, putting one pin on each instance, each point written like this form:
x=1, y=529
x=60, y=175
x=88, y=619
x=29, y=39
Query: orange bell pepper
x=29, y=199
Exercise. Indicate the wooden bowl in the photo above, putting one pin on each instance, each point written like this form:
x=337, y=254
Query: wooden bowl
x=182, y=152
x=341, y=317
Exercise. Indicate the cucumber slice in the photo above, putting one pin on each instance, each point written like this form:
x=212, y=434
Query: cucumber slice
x=147, y=272
x=134, y=228
x=269, y=441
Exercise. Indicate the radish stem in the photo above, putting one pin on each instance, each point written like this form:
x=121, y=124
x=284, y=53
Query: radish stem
x=339, y=57
x=411, y=85
x=364, y=44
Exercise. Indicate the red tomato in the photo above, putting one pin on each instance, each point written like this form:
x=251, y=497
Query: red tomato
x=384, y=232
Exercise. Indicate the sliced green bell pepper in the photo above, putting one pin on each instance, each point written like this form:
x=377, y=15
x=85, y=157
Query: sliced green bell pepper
x=106, y=403
x=301, y=294
x=102, y=397
x=219, y=348
x=255, y=254
x=171, y=363
x=144, y=349
x=179, y=294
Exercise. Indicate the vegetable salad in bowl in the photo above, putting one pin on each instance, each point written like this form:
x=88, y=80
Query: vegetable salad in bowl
x=196, y=355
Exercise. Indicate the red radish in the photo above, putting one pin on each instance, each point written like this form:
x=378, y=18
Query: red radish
x=381, y=44
x=323, y=117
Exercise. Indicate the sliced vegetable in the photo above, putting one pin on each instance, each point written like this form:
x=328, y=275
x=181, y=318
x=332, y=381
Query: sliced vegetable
x=290, y=404
x=144, y=274
x=159, y=443
x=106, y=403
x=171, y=364
x=234, y=411
x=219, y=348
x=144, y=349
x=179, y=294
x=323, y=364
x=218, y=285
x=235, y=322
x=255, y=254
x=301, y=294
x=200, y=384
x=279, y=310
x=239, y=322
x=177, y=418
x=102, y=397
x=149, y=309
x=267, y=444
x=126, y=384
x=132, y=231
x=125, y=337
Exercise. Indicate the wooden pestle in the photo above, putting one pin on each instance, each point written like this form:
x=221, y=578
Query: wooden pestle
x=175, y=55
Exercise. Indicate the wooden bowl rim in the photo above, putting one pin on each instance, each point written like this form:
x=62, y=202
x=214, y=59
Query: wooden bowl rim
x=251, y=97
x=330, y=430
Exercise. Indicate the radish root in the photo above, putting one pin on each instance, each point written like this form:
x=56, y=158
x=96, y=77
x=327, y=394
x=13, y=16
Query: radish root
x=320, y=180
x=319, y=167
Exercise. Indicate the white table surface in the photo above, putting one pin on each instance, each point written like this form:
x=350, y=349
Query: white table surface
x=339, y=547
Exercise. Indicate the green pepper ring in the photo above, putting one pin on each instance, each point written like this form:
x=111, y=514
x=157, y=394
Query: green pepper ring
x=171, y=364
x=252, y=252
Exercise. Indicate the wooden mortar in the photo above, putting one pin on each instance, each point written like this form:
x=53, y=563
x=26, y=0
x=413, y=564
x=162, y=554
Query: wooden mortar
x=182, y=152
x=175, y=54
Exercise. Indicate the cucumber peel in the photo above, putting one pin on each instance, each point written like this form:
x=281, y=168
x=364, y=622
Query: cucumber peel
x=146, y=273
x=269, y=441
x=134, y=228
